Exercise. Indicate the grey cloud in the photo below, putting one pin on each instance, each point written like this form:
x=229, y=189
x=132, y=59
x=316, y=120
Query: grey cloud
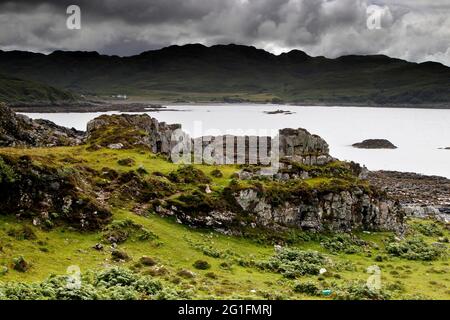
x=416, y=30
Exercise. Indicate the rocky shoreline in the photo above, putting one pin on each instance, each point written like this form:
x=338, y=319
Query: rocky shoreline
x=150, y=105
x=421, y=195
x=85, y=107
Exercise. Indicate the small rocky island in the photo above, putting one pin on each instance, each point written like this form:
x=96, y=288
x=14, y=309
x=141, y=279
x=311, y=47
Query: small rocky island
x=375, y=144
x=279, y=111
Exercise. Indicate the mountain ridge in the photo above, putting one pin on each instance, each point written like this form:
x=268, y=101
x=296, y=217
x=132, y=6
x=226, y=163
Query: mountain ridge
x=236, y=73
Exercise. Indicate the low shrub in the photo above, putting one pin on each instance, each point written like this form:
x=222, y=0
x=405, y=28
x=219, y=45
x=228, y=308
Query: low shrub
x=120, y=231
x=211, y=251
x=395, y=286
x=141, y=170
x=188, y=174
x=225, y=266
x=147, y=261
x=20, y=264
x=308, y=288
x=415, y=249
x=197, y=203
x=292, y=263
x=127, y=162
x=156, y=271
x=201, y=265
x=211, y=275
x=343, y=243
x=360, y=291
x=109, y=284
x=118, y=255
x=216, y=173
x=187, y=274
x=429, y=229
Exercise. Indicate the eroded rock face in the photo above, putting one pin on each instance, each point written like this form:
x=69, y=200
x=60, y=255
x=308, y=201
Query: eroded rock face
x=301, y=146
x=20, y=131
x=342, y=212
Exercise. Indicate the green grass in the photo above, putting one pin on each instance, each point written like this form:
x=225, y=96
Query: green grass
x=174, y=250
x=177, y=247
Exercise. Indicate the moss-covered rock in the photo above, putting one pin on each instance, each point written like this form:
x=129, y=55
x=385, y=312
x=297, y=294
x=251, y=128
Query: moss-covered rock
x=49, y=195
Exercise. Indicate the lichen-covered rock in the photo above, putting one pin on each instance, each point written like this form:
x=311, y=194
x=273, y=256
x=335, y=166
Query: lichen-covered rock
x=301, y=146
x=128, y=131
x=18, y=130
x=342, y=211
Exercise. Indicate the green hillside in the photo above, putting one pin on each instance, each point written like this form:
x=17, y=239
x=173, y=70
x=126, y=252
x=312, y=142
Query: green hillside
x=162, y=259
x=233, y=73
x=14, y=90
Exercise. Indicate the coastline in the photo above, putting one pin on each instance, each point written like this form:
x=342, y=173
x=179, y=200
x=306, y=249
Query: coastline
x=144, y=106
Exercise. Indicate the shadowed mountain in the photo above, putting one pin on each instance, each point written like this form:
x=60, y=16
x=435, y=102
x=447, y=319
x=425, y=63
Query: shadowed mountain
x=235, y=73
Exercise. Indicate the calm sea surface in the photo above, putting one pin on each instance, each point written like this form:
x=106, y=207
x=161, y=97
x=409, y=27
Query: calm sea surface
x=418, y=133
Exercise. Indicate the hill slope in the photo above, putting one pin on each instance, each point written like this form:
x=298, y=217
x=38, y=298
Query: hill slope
x=14, y=90
x=235, y=73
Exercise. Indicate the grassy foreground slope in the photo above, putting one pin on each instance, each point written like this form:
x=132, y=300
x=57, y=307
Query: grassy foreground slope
x=175, y=261
x=232, y=73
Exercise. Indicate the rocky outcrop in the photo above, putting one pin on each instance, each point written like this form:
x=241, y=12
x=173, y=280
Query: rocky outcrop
x=131, y=131
x=423, y=211
x=142, y=130
x=375, y=144
x=296, y=145
x=343, y=211
x=231, y=149
x=332, y=211
x=49, y=195
x=299, y=145
x=20, y=131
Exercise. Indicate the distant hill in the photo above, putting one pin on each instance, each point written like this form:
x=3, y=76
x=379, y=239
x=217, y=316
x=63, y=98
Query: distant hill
x=14, y=90
x=234, y=73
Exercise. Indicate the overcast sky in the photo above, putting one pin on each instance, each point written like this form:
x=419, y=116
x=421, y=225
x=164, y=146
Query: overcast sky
x=415, y=30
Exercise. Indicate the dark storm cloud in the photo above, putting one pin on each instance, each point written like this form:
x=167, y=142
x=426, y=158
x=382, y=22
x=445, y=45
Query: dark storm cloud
x=133, y=12
x=416, y=30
